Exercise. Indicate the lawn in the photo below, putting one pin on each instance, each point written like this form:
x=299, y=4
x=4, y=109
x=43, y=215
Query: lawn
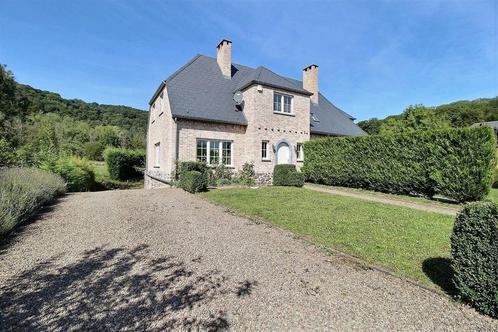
x=409, y=242
x=100, y=169
x=493, y=195
x=104, y=181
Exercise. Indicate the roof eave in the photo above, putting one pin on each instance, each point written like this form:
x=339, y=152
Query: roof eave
x=158, y=91
x=193, y=118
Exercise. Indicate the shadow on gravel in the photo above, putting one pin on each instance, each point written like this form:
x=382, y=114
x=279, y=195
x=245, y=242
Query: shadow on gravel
x=439, y=270
x=115, y=289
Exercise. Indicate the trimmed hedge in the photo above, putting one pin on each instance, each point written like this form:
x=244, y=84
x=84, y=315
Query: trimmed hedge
x=23, y=191
x=186, y=166
x=455, y=163
x=193, y=176
x=287, y=175
x=193, y=181
x=474, y=251
x=124, y=164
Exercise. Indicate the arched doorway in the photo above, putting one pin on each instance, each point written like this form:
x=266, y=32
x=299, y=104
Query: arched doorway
x=283, y=153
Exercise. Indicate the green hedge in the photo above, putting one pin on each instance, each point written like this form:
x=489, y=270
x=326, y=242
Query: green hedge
x=474, y=250
x=455, y=163
x=193, y=181
x=287, y=175
x=186, y=166
x=23, y=191
x=124, y=164
x=193, y=176
x=77, y=172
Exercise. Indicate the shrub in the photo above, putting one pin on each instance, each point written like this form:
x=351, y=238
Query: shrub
x=94, y=151
x=6, y=153
x=190, y=180
x=186, y=166
x=455, y=163
x=124, y=164
x=193, y=181
x=220, y=175
x=287, y=175
x=23, y=191
x=474, y=250
x=77, y=172
x=247, y=175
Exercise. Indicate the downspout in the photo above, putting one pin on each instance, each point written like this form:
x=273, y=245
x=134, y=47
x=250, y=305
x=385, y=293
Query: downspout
x=177, y=139
x=177, y=145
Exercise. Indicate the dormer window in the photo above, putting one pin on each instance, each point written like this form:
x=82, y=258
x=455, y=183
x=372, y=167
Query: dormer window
x=282, y=103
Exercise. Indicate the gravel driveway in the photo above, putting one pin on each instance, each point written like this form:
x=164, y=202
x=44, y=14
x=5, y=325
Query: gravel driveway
x=164, y=259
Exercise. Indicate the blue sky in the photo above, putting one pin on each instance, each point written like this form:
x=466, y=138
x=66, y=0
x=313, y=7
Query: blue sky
x=375, y=57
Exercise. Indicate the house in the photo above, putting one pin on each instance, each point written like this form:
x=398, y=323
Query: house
x=216, y=111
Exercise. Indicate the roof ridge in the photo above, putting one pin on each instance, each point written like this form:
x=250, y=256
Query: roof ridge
x=288, y=79
x=233, y=63
x=170, y=77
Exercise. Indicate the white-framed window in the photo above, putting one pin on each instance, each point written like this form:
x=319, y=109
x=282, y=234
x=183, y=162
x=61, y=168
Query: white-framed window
x=214, y=152
x=157, y=154
x=282, y=103
x=264, y=150
x=299, y=151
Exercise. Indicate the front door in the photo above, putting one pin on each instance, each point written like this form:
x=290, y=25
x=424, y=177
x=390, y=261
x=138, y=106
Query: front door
x=283, y=153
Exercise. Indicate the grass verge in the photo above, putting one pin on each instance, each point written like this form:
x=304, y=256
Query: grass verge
x=409, y=242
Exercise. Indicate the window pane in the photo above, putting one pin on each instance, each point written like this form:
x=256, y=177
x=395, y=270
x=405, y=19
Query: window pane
x=277, y=102
x=287, y=104
x=299, y=151
x=264, y=147
x=214, y=152
x=226, y=153
x=202, y=151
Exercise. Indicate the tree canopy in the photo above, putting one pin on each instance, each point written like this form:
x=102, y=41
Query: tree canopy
x=418, y=117
x=37, y=125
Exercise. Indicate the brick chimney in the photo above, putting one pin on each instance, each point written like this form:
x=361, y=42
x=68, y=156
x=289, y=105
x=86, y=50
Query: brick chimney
x=310, y=81
x=224, y=57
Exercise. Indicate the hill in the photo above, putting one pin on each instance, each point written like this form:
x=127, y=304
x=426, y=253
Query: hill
x=461, y=113
x=37, y=125
x=39, y=101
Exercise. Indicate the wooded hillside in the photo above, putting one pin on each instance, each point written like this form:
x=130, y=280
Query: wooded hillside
x=457, y=114
x=37, y=125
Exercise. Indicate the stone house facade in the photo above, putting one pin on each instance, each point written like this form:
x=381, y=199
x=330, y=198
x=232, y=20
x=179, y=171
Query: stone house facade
x=215, y=111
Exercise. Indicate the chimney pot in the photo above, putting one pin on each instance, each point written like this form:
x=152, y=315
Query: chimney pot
x=310, y=81
x=224, y=57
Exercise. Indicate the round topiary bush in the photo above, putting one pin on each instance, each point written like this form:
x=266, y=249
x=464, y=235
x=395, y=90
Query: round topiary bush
x=287, y=175
x=474, y=251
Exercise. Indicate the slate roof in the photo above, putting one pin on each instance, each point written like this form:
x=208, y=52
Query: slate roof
x=198, y=91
